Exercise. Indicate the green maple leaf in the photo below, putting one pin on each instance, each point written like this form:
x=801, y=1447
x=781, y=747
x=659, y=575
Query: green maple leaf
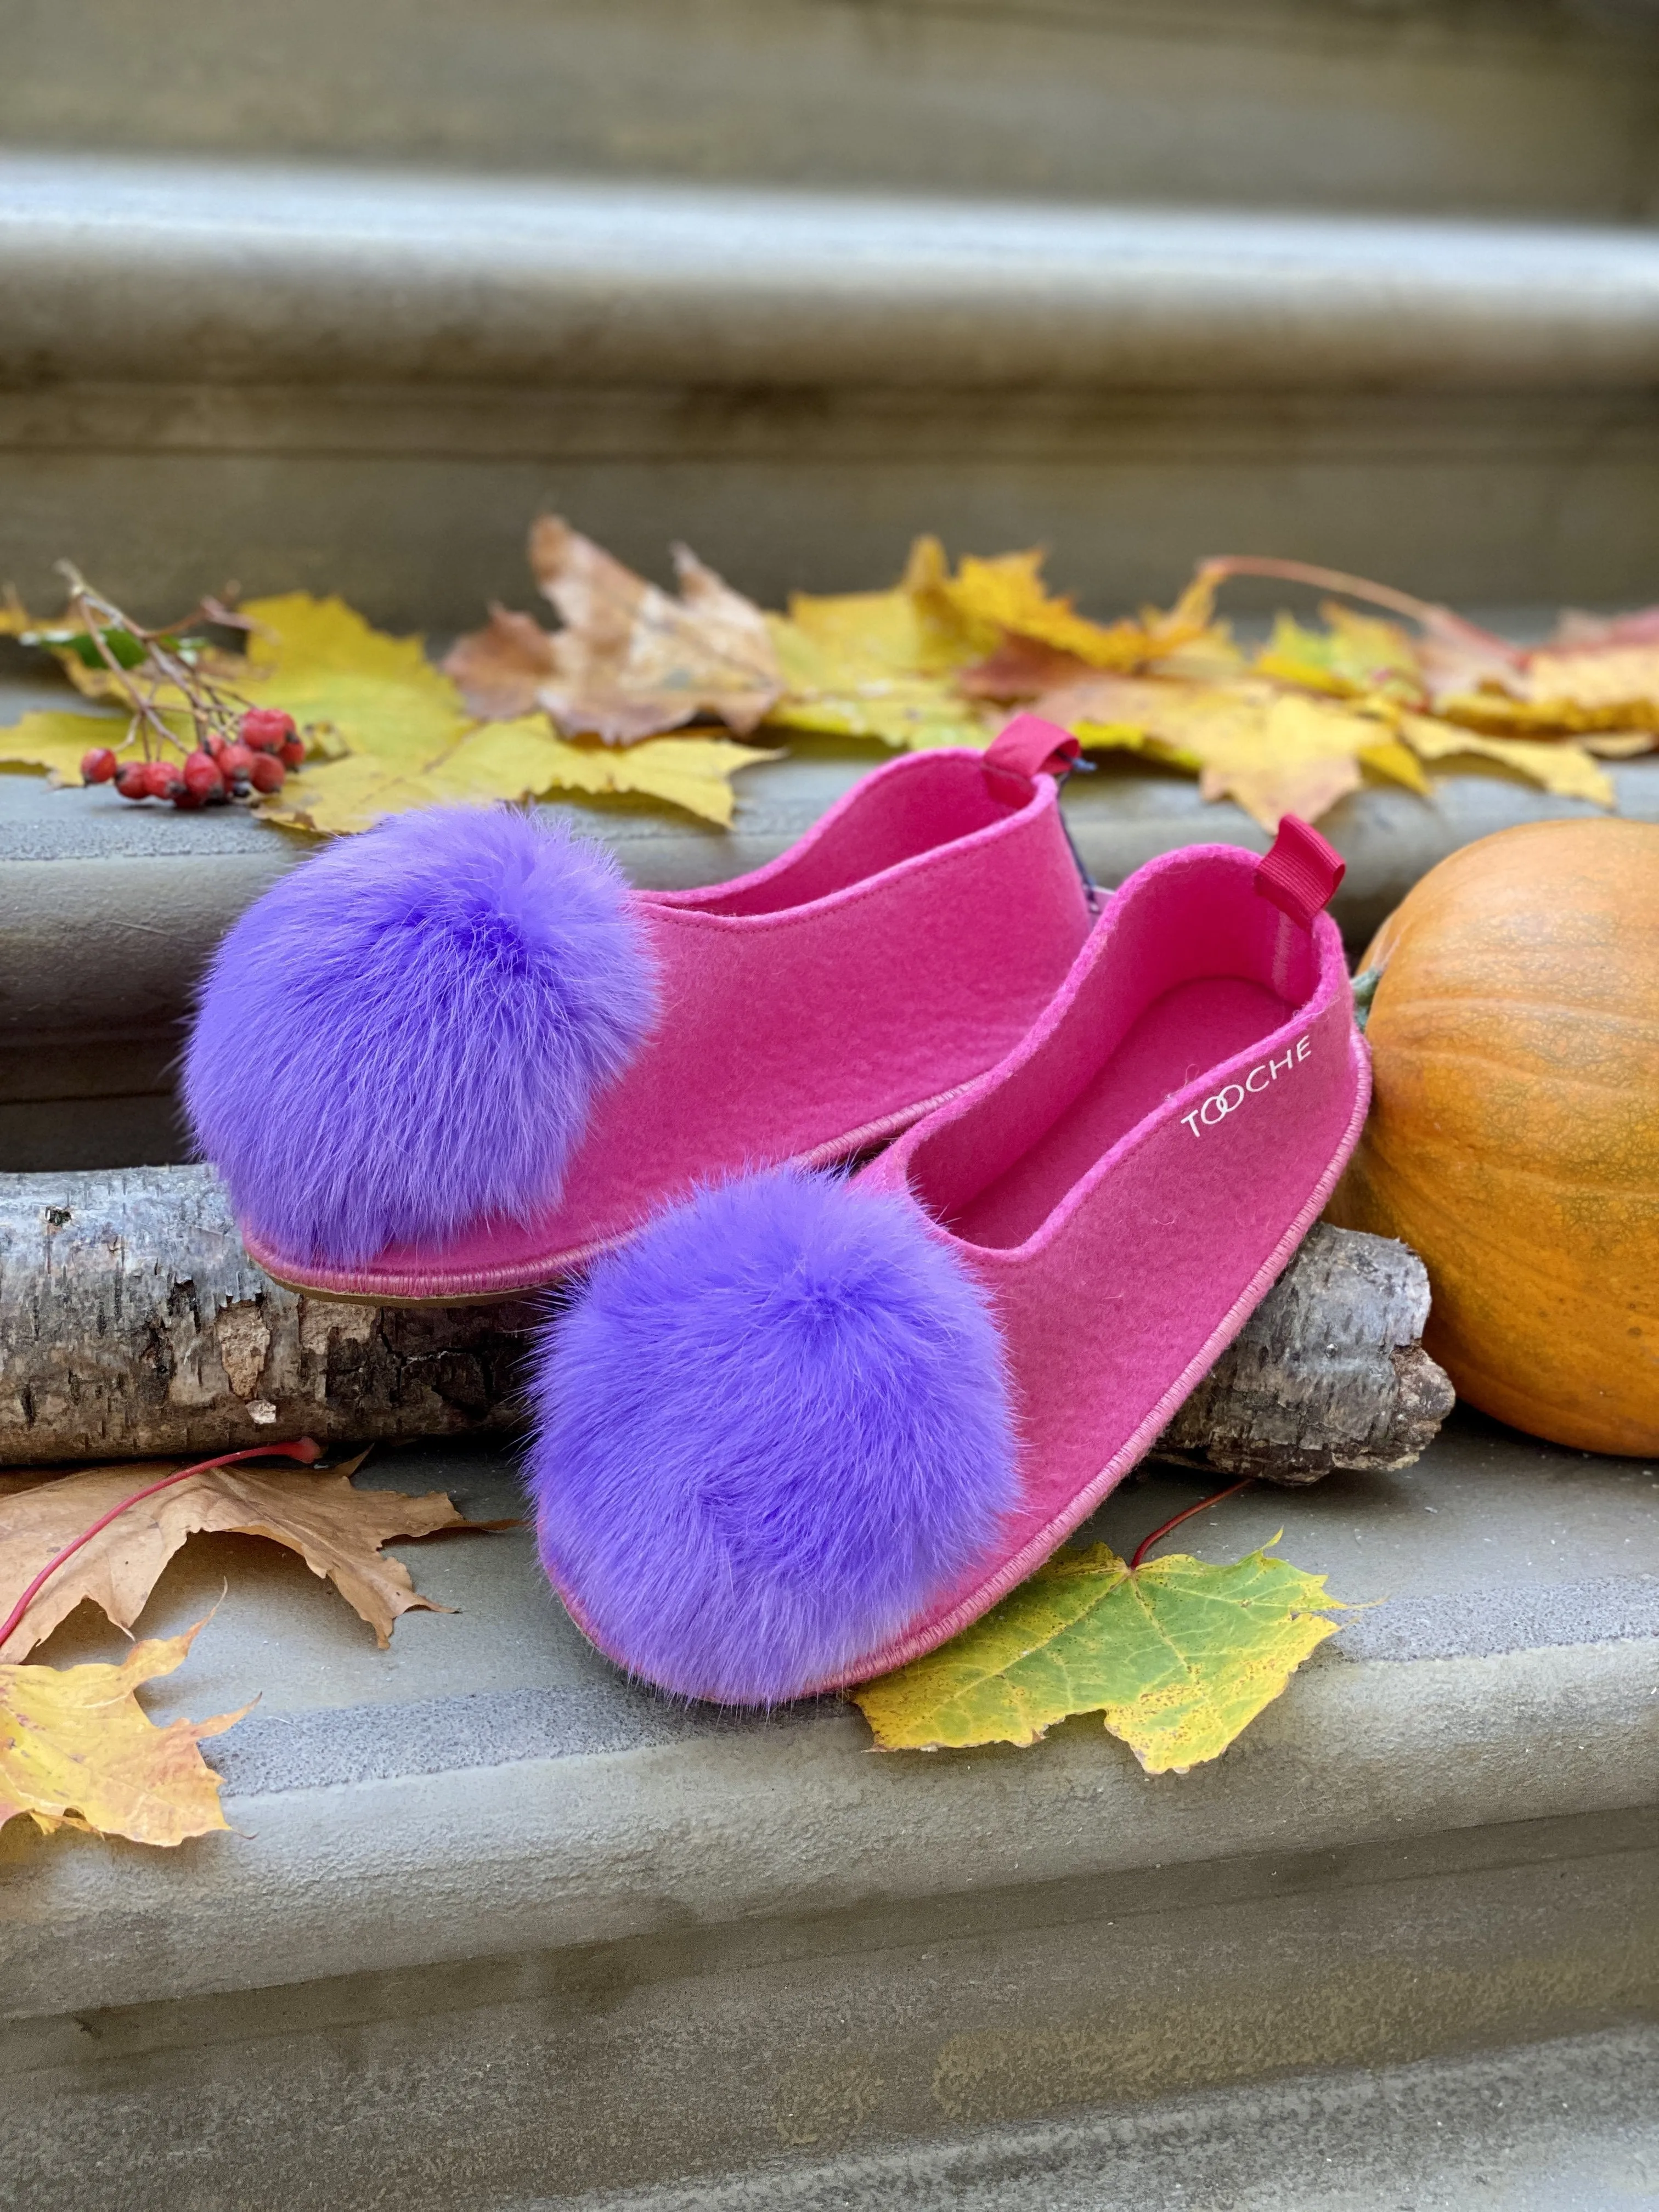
x=1177, y=1657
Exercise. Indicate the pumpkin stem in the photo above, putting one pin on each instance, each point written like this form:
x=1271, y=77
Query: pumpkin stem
x=1365, y=990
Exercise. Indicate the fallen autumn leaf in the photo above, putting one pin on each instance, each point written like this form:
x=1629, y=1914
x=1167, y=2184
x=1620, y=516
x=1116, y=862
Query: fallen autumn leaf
x=337, y=1528
x=77, y=1750
x=631, y=662
x=1177, y=1657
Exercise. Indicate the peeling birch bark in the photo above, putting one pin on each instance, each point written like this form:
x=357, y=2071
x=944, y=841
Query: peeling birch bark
x=132, y=1324
x=1329, y=1370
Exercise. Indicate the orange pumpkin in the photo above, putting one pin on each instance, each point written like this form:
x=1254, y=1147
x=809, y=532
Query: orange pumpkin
x=1514, y=1134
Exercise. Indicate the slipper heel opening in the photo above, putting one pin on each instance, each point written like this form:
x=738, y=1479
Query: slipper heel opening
x=1203, y=968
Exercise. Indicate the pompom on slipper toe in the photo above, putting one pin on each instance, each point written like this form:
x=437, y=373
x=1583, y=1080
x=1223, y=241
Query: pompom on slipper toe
x=408, y=1032
x=774, y=1427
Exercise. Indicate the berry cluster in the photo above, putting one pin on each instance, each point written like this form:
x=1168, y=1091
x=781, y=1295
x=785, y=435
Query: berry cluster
x=257, y=759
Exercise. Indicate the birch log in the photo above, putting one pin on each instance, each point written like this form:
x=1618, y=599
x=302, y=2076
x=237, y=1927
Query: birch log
x=132, y=1324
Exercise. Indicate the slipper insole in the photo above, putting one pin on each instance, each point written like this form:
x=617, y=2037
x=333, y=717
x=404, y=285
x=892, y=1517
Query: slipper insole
x=1193, y=1026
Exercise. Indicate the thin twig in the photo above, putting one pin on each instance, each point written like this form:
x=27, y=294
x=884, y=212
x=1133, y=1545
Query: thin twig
x=212, y=705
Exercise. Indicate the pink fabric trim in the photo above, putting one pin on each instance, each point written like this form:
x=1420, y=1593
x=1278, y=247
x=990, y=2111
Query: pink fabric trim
x=1031, y=746
x=1302, y=873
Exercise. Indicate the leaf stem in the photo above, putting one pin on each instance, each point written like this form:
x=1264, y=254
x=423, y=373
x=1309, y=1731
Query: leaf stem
x=1158, y=1534
x=1442, y=620
x=304, y=1451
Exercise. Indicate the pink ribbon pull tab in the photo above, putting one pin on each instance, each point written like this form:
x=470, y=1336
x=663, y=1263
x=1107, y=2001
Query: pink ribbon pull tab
x=1301, y=873
x=1030, y=746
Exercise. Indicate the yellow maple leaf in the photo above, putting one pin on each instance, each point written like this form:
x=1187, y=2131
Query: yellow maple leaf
x=839, y=683
x=77, y=1750
x=900, y=665
x=1354, y=656
x=1554, y=763
x=515, y=761
x=1177, y=1657
x=1275, y=752
x=1618, y=744
x=915, y=628
x=1498, y=713
x=320, y=661
x=55, y=738
x=693, y=771
x=1007, y=594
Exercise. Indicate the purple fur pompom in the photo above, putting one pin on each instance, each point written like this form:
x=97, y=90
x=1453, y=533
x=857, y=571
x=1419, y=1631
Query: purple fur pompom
x=406, y=1033
x=772, y=1428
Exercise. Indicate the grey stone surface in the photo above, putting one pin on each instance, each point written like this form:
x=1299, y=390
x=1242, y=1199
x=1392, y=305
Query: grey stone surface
x=712, y=2051
x=1519, y=1679
x=152, y=271
x=367, y=381
x=412, y=499
x=1514, y=105
x=1560, y=2127
x=495, y=1928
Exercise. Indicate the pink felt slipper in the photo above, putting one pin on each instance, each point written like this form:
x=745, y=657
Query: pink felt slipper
x=802, y=1430
x=457, y=1057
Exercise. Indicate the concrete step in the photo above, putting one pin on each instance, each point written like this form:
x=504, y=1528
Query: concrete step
x=108, y=911
x=495, y=1929
x=1510, y=106
x=1569, y=2126
x=366, y=381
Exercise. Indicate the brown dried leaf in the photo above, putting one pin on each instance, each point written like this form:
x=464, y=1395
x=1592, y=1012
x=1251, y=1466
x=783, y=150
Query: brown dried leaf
x=500, y=670
x=337, y=1529
x=632, y=662
x=1022, y=668
x=78, y=1751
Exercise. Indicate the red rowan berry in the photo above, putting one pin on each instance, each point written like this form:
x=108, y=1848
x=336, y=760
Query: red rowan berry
x=98, y=766
x=265, y=729
x=266, y=774
x=202, y=778
x=132, y=780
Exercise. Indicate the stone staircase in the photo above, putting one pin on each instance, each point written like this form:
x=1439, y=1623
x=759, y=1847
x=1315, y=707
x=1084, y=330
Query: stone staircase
x=495, y=1929
x=338, y=297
